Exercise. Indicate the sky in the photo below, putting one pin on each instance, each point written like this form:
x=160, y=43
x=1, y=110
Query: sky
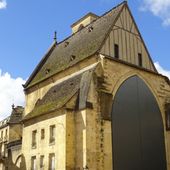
x=27, y=30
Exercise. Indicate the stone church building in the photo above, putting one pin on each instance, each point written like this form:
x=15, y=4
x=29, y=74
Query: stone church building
x=96, y=101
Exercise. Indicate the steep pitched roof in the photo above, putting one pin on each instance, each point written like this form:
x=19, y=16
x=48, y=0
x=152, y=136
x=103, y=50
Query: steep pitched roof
x=4, y=122
x=16, y=115
x=75, y=48
x=60, y=94
x=14, y=118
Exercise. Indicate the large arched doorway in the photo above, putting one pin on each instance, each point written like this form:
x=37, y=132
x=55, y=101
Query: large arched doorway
x=137, y=128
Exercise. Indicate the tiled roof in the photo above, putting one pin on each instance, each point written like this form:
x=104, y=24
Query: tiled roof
x=4, y=122
x=15, y=117
x=60, y=94
x=75, y=48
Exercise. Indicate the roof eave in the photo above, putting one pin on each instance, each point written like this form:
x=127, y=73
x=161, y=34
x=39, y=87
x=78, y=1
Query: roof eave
x=49, y=51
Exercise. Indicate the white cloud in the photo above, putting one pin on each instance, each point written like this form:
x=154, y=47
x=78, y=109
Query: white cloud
x=11, y=92
x=159, y=8
x=3, y=4
x=162, y=70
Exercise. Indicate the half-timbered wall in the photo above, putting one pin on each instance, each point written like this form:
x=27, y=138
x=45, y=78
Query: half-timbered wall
x=125, y=34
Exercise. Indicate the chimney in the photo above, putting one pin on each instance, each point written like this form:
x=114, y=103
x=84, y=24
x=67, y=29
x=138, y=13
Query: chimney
x=82, y=22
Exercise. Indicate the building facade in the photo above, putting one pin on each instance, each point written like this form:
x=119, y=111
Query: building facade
x=95, y=101
x=11, y=140
x=4, y=131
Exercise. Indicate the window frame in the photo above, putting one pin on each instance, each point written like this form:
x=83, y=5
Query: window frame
x=42, y=134
x=33, y=160
x=34, y=139
x=52, y=132
x=41, y=162
x=116, y=51
x=51, y=155
x=140, y=60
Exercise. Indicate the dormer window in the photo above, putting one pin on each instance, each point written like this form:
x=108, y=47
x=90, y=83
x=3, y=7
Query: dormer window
x=47, y=71
x=90, y=29
x=72, y=57
x=83, y=22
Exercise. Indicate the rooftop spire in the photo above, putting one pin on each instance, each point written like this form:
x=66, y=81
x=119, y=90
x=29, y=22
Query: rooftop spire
x=13, y=106
x=55, y=36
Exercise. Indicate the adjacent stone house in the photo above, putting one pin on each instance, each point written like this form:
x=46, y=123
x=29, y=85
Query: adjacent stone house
x=96, y=101
x=11, y=139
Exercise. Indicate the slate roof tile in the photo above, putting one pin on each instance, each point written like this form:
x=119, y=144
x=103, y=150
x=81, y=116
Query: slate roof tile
x=81, y=45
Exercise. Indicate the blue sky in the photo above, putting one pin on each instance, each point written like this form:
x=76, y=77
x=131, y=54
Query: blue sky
x=27, y=27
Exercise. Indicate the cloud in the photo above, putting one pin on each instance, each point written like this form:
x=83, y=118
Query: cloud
x=159, y=8
x=3, y=4
x=162, y=70
x=11, y=92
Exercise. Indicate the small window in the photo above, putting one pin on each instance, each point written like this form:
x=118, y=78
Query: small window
x=116, y=49
x=51, y=161
x=6, y=132
x=42, y=134
x=33, y=163
x=2, y=134
x=140, y=59
x=42, y=162
x=90, y=29
x=167, y=112
x=52, y=134
x=34, y=139
x=72, y=57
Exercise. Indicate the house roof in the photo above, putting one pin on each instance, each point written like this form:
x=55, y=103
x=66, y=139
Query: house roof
x=81, y=19
x=4, y=122
x=14, y=118
x=16, y=115
x=75, y=48
x=61, y=93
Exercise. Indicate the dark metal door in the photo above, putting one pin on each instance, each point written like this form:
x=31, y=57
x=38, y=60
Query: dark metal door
x=137, y=128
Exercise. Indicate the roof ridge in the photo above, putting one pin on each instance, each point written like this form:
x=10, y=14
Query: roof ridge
x=69, y=38
x=49, y=51
x=99, y=17
x=123, y=3
x=89, y=13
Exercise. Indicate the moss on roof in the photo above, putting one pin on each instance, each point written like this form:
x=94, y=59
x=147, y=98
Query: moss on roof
x=61, y=93
x=77, y=47
x=56, y=97
x=16, y=115
x=14, y=118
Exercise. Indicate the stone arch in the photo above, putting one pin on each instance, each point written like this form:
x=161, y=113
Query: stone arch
x=137, y=127
x=131, y=74
x=19, y=158
x=149, y=85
